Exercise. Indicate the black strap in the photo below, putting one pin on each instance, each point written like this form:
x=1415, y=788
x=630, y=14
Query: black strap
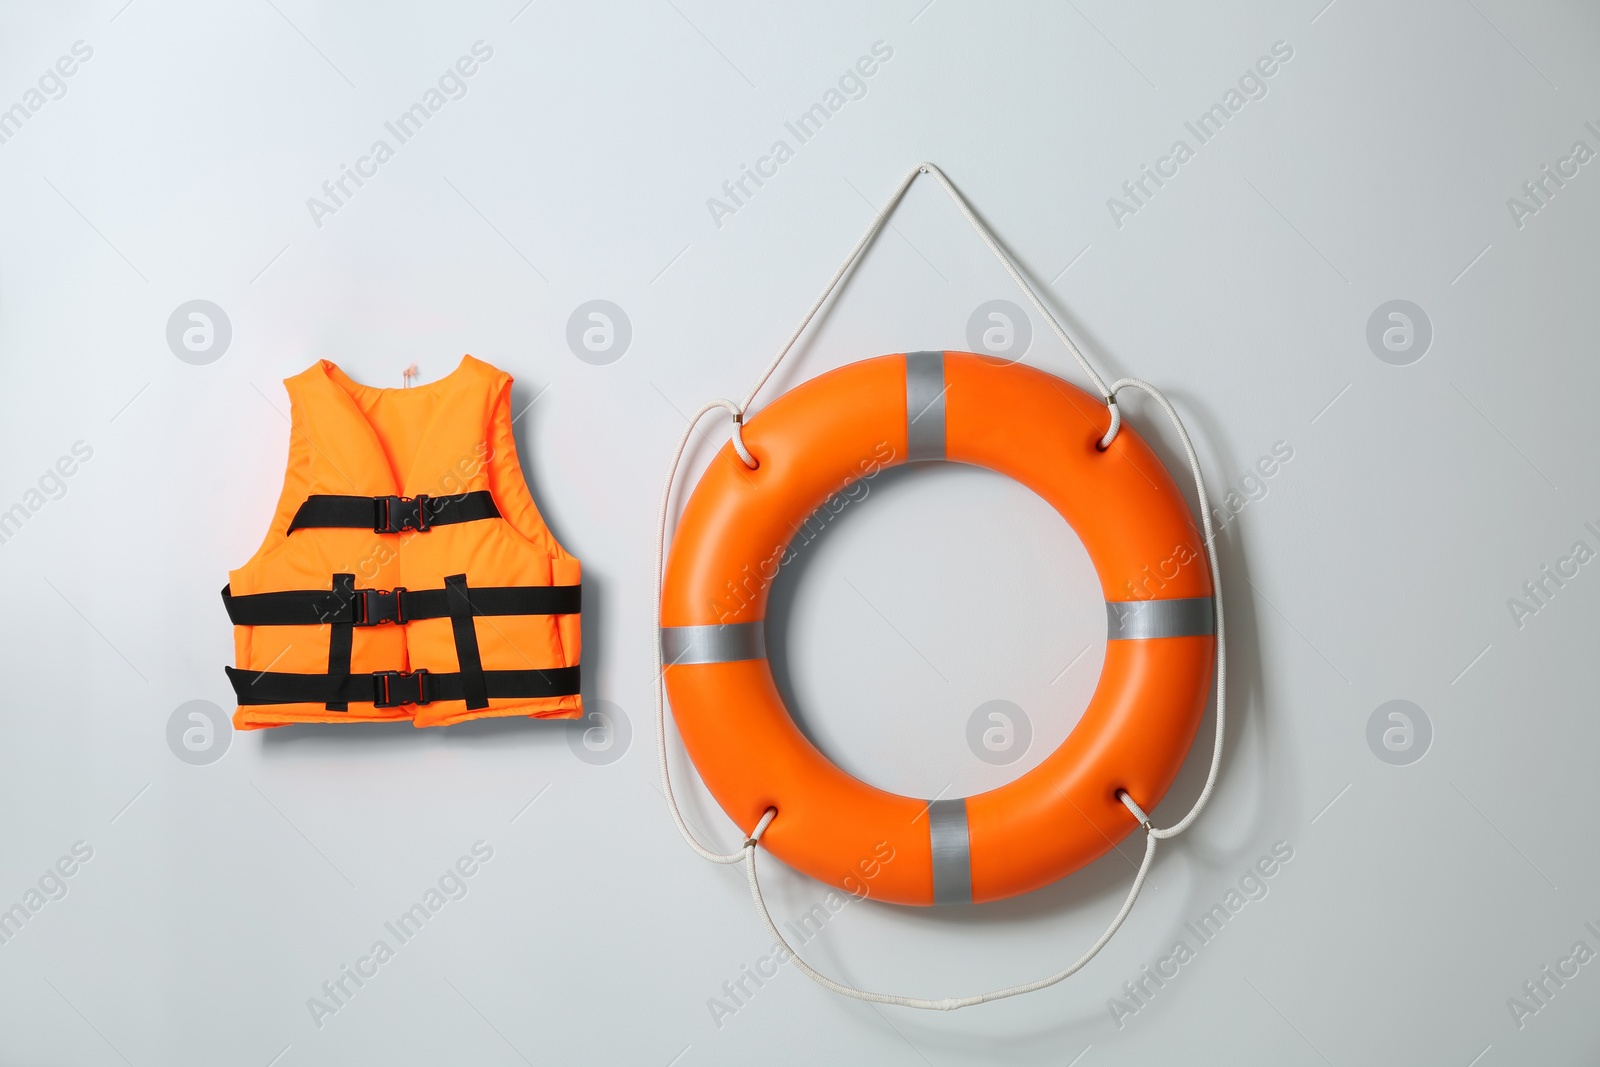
x=393, y=689
x=370, y=607
x=393, y=514
x=340, y=637
x=466, y=634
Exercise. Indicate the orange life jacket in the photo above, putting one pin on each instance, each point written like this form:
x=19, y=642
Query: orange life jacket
x=407, y=573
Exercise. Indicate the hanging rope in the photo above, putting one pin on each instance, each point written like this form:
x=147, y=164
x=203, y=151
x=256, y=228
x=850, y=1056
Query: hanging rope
x=1109, y=393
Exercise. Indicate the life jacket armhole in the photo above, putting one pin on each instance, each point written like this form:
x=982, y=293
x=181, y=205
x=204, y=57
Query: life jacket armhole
x=509, y=483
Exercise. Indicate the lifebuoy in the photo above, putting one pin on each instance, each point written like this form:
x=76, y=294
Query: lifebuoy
x=1021, y=422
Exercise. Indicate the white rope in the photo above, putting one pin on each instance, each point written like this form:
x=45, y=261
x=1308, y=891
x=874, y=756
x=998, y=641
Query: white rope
x=748, y=852
x=1216, y=600
x=661, y=667
x=1108, y=395
x=948, y=1003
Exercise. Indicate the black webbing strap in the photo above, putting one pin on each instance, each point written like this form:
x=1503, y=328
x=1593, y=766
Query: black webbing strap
x=393, y=689
x=340, y=636
x=371, y=607
x=466, y=634
x=393, y=514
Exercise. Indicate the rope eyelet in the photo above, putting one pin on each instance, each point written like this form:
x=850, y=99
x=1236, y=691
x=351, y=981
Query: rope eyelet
x=1135, y=810
x=1116, y=424
x=761, y=828
x=745, y=455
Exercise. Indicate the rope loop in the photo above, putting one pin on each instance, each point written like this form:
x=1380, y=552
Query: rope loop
x=1116, y=421
x=661, y=668
x=761, y=828
x=737, y=435
x=989, y=240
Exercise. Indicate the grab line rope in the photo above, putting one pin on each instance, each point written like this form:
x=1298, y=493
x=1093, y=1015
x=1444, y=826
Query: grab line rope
x=748, y=852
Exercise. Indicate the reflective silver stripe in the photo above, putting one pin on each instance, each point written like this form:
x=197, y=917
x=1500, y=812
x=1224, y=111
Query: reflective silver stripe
x=924, y=405
x=952, y=863
x=1134, y=619
x=716, y=643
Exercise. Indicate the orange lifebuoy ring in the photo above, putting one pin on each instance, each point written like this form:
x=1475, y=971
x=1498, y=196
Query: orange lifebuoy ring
x=1021, y=422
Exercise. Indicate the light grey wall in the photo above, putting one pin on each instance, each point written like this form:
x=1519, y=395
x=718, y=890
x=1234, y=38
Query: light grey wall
x=1379, y=563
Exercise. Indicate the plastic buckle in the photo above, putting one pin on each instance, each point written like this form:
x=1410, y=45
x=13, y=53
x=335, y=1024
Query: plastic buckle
x=393, y=689
x=374, y=607
x=397, y=514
